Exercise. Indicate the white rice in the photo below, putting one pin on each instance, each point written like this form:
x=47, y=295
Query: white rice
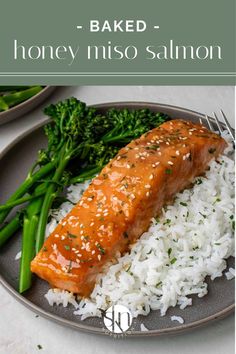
x=178, y=319
x=230, y=274
x=192, y=239
x=143, y=328
x=60, y=297
x=18, y=256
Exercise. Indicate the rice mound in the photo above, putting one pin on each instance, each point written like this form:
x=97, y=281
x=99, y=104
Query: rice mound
x=192, y=239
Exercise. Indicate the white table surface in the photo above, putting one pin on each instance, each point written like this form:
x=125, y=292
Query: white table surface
x=21, y=331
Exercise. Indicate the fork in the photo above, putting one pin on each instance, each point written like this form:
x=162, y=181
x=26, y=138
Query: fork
x=217, y=122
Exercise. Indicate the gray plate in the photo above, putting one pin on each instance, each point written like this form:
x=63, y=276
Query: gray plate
x=14, y=163
x=24, y=107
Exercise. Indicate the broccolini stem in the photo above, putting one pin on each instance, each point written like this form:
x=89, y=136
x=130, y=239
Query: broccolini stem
x=20, y=96
x=13, y=88
x=9, y=229
x=3, y=105
x=48, y=200
x=29, y=181
x=30, y=225
x=86, y=175
x=21, y=200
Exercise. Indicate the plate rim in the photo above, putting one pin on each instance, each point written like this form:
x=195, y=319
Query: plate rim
x=97, y=330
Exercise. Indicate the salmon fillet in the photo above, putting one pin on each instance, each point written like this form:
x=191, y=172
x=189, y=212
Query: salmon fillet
x=118, y=205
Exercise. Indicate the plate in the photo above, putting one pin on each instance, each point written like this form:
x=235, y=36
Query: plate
x=26, y=106
x=14, y=163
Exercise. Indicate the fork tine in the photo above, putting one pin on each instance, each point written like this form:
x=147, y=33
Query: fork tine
x=218, y=123
x=229, y=128
x=209, y=122
x=200, y=120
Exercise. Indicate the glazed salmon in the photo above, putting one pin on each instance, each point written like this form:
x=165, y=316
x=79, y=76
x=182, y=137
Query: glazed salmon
x=118, y=205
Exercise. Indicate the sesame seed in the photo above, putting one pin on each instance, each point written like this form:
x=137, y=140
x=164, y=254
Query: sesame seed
x=156, y=164
x=151, y=176
x=177, y=152
x=92, y=223
x=87, y=247
x=147, y=194
x=170, y=163
x=147, y=186
x=99, y=257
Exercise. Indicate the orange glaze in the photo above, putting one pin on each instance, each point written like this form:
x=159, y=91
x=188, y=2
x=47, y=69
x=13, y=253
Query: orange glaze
x=119, y=203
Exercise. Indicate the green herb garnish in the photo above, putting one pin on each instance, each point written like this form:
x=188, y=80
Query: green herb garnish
x=158, y=284
x=71, y=235
x=101, y=249
x=199, y=181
